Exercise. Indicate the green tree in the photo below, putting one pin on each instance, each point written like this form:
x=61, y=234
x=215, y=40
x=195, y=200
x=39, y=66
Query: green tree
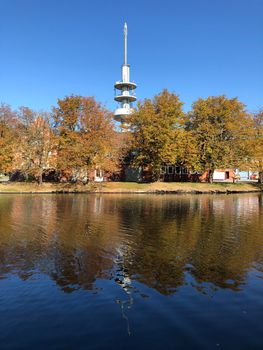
x=221, y=128
x=158, y=128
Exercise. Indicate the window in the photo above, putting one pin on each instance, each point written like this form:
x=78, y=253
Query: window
x=98, y=173
x=163, y=170
x=178, y=170
x=170, y=169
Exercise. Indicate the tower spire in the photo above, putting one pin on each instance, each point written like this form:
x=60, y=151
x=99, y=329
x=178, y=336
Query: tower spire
x=125, y=29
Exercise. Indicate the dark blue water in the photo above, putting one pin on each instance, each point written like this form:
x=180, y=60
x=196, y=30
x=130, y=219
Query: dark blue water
x=126, y=272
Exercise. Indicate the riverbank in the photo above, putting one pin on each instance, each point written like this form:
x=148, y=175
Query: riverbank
x=130, y=187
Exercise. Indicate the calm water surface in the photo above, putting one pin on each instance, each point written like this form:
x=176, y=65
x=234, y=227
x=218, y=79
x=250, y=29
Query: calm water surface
x=131, y=272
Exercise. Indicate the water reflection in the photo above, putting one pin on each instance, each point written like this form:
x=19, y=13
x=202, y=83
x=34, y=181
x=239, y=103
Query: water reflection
x=164, y=242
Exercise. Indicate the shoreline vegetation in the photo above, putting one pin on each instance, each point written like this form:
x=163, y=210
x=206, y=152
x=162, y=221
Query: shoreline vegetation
x=130, y=187
x=79, y=141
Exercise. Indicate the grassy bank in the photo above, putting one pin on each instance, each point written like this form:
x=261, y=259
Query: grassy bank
x=129, y=187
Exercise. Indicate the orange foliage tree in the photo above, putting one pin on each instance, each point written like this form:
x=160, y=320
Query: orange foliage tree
x=8, y=138
x=37, y=151
x=86, y=137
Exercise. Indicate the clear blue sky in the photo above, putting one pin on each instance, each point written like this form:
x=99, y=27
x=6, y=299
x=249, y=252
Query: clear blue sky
x=196, y=48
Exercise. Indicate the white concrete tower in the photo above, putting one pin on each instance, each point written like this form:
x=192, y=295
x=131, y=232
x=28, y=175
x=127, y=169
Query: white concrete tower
x=124, y=89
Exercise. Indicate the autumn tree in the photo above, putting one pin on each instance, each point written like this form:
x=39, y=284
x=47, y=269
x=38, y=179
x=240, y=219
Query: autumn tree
x=221, y=128
x=256, y=145
x=37, y=150
x=101, y=143
x=86, y=137
x=159, y=134
x=66, y=117
x=187, y=150
x=8, y=138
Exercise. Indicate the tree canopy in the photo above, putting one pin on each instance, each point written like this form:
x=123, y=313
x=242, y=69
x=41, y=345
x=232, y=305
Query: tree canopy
x=79, y=136
x=157, y=128
x=221, y=128
x=8, y=138
x=86, y=136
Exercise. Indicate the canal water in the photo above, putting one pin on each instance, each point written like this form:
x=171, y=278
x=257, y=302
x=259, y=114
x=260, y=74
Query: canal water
x=131, y=272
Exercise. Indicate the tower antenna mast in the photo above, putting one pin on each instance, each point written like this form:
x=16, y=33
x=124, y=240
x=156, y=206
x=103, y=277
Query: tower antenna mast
x=125, y=43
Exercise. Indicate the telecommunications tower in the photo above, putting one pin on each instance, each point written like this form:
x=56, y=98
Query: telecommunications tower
x=124, y=89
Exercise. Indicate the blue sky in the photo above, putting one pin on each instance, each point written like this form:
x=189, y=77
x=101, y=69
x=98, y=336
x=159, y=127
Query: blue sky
x=196, y=48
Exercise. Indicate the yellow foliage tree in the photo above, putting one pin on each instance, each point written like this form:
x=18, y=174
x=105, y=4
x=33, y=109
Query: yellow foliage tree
x=256, y=145
x=222, y=129
x=159, y=135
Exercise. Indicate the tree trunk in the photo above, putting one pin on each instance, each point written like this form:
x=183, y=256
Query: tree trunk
x=210, y=176
x=40, y=177
x=157, y=175
x=260, y=177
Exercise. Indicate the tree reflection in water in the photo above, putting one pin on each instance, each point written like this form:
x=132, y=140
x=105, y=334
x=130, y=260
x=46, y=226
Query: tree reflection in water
x=164, y=242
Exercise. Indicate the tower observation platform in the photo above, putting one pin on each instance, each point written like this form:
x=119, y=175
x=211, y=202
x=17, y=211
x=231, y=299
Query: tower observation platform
x=124, y=89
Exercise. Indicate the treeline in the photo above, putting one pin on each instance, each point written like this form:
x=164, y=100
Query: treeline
x=79, y=136
x=217, y=133
x=65, y=144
